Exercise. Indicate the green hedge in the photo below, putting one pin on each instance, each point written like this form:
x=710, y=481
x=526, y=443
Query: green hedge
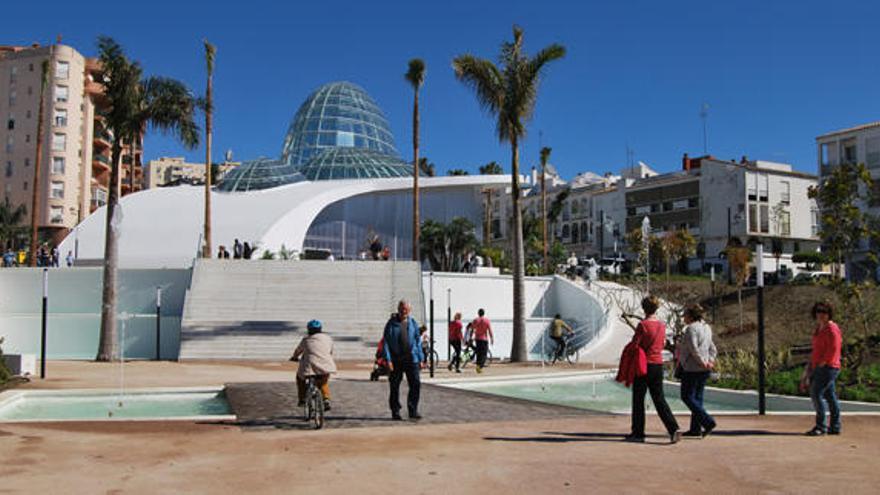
x=863, y=387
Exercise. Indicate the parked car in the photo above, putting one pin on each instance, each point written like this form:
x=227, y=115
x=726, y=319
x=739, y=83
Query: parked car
x=810, y=277
x=612, y=266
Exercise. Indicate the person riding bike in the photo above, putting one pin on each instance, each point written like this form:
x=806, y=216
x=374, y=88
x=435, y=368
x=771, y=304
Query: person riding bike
x=315, y=356
x=557, y=329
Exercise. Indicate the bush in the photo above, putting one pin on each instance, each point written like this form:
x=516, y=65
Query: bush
x=4, y=371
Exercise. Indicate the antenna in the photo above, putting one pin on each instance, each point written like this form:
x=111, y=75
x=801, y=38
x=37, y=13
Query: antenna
x=704, y=115
x=630, y=153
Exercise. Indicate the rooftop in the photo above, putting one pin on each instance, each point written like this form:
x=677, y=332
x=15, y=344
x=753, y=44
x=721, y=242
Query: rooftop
x=848, y=130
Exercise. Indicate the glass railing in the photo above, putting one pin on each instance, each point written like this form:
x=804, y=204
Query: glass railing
x=103, y=159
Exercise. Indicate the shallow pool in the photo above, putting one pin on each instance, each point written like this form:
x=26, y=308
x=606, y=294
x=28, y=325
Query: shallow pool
x=602, y=393
x=39, y=405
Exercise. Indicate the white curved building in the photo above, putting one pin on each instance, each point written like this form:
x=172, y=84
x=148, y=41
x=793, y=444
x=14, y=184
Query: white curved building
x=338, y=181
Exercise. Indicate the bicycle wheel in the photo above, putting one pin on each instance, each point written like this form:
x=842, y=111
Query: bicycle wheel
x=466, y=358
x=318, y=406
x=488, y=357
x=572, y=357
x=435, y=359
x=308, y=410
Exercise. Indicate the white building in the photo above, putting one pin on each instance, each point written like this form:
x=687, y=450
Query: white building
x=859, y=144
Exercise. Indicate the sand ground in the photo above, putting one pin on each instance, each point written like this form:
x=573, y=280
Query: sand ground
x=748, y=454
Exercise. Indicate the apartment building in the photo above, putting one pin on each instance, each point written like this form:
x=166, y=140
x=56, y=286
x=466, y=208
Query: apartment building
x=717, y=201
x=170, y=171
x=75, y=159
x=859, y=144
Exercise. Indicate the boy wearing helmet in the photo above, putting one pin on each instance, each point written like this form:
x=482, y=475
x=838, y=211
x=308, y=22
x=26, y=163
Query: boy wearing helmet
x=315, y=356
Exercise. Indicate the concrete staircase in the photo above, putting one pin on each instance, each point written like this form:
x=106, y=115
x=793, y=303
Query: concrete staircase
x=258, y=309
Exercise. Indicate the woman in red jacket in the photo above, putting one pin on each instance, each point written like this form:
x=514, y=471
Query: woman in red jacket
x=821, y=373
x=651, y=336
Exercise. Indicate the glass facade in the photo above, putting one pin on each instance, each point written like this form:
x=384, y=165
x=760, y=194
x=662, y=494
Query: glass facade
x=338, y=114
x=353, y=163
x=262, y=173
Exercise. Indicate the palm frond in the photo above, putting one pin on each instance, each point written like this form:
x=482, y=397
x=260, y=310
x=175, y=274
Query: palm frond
x=169, y=106
x=416, y=73
x=545, y=155
x=486, y=80
x=210, y=52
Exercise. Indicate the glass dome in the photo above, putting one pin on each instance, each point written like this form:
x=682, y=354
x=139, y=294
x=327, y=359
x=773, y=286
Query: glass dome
x=262, y=173
x=354, y=163
x=338, y=114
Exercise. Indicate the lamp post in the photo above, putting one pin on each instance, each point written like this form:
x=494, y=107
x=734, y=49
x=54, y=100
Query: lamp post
x=431, y=329
x=448, y=322
x=646, y=232
x=759, y=275
x=43, y=323
x=158, y=323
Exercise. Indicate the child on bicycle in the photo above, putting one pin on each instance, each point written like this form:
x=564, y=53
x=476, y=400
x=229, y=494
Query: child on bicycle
x=315, y=356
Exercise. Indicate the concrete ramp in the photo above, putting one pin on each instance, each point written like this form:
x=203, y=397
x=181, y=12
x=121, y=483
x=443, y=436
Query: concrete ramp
x=258, y=309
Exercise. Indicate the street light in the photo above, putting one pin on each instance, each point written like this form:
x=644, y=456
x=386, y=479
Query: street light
x=759, y=278
x=646, y=231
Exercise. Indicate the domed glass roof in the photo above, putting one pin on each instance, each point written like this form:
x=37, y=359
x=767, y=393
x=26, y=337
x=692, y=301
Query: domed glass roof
x=262, y=173
x=354, y=163
x=338, y=114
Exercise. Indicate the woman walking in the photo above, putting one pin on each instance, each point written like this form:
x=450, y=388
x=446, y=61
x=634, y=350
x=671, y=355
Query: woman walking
x=455, y=337
x=821, y=373
x=650, y=335
x=696, y=357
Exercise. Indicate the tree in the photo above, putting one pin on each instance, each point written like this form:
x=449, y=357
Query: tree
x=446, y=245
x=426, y=167
x=457, y=171
x=210, y=51
x=843, y=224
x=545, y=155
x=11, y=220
x=135, y=103
x=684, y=246
x=778, y=248
x=738, y=258
x=38, y=162
x=557, y=206
x=415, y=75
x=491, y=168
x=508, y=92
x=635, y=242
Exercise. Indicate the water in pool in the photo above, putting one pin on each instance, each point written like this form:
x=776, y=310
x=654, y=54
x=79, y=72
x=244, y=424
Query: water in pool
x=69, y=406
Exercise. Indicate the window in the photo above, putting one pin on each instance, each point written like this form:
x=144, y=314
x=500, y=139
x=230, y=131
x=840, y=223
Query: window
x=30, y=90
x=25, y=186
x=765, y=219
x=27, y=114
x=27, y=162
x=814, y=221
x=12, y=96
x=10, y=143
x=59, y=142
x=575, y=232
x=752, y=185
x=753, y=218
x=57, y=190
x=61, y=94
x=681, y=204
x=30, y=67
x=694, y=203
x=785, y=194
x=56, y=214
x=763, y=187
x=630, y=212
x=872, y=152
x=848, y=151
x=784, y=223
x=62, y=70
x=8, y=169
x=13, y=74
x=667, y=206
x=11, y=124
x=27, y=138
x=60, y=117
x=58, y=165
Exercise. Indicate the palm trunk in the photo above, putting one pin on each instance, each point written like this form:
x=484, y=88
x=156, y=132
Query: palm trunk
x=739, y=297
x=107, y=343
x=518, y=349
x=209, y=117
x=544, y=216
x=416, y=221
x=35, y=192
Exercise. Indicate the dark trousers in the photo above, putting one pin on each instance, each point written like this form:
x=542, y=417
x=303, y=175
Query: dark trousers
x=692, y=385
x=456, y=356
x=482, y=350
x=560, y=345
x=652, y=382
x=411, y=370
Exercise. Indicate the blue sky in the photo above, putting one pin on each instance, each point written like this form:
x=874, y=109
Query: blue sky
x=775, y=73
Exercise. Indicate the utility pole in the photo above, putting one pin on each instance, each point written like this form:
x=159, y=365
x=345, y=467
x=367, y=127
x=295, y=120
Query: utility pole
x=759, y=277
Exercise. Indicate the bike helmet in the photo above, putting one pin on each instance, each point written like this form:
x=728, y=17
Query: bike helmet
x=314, y=326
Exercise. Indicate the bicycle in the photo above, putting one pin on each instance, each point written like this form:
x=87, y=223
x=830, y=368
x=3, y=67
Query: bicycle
x=433, y=356
x=469, y=355
x=313, y=410
x=567, y=352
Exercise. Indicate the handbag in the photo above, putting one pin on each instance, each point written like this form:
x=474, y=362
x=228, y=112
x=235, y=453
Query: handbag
x=679, y=371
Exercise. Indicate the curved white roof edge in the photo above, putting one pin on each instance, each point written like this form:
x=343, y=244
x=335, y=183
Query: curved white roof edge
x=162, y=227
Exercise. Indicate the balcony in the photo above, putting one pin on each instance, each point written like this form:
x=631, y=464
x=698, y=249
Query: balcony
x=101, y=162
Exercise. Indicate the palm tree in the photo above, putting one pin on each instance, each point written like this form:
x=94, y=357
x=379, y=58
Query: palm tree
x=509, y=93
x=162, y=103
x=545, y=155
x=210, y=50
x=491, y=168
x=416, y=77
x=426, y=167
x=11, y=218
x=35, y=191
x=457, y=171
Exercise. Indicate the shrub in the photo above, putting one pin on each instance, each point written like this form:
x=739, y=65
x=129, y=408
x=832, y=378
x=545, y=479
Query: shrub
x=4, y=371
